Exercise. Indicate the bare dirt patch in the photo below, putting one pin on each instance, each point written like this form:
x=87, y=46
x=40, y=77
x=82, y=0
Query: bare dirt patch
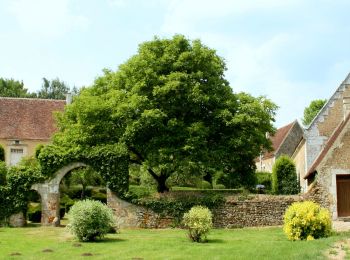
x=339, y=250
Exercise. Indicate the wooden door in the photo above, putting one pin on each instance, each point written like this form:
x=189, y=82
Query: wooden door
x=343, y=195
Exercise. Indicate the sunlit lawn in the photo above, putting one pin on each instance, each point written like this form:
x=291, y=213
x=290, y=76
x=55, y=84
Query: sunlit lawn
x=248, y=243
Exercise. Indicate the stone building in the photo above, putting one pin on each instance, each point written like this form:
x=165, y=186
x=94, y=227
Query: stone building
x=24, y=124
x=326, y=150
x=284, y=141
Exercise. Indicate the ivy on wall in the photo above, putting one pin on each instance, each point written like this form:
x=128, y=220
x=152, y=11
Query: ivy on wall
x=14, y=190
x=110, y=161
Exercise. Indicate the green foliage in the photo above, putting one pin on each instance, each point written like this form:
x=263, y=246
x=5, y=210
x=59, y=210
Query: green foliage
x=284, y=176
x=109, y=161
x=38, y=149
x=312, y=110
x=2, y=153
x=85, y=177
x=54, y=89
x=307, y=220
x=3, y=173
x=176, y=206
x=219, y=186
x=171, y=106
x=13, y=88
x=90, y=220
x=34, y=212
x=15, y=194
x=264, y=178
x=204, y=185
x=199, y=222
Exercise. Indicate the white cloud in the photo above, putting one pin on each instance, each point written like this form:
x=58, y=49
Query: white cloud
x=260, y=65
x=48, y=18
x=183, y=15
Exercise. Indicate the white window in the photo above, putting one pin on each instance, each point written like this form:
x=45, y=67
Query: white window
x=16, y=155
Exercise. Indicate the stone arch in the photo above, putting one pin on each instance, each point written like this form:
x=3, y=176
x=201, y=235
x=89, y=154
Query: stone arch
x=50, y=195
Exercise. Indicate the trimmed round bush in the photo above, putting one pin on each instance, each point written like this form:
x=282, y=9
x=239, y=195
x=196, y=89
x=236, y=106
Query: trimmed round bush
x=198, y=221
x=90, y=219
x=307, y=220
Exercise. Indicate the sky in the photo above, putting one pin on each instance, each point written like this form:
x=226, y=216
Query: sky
x=290, y=51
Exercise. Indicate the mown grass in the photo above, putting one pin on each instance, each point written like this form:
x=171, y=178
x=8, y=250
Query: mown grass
x=247, y=243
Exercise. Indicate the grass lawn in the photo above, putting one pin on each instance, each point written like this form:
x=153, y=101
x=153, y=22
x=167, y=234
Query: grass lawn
x=247, y=243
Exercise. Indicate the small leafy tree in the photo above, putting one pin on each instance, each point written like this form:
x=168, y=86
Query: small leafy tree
x=85, y=177
x=284, y=176
x=90, y=220
x=311, y=111
x=199, y=222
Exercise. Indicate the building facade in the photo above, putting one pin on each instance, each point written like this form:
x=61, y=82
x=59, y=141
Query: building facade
x=24, y=124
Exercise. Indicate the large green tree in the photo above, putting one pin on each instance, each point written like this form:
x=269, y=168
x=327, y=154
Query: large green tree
x=171, y=105
x=312, y=110
x=54, y=89
x=13, y=88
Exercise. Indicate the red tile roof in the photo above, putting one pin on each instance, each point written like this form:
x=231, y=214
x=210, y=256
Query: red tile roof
x=25, y=118
x=278, y=139
x=327, y=147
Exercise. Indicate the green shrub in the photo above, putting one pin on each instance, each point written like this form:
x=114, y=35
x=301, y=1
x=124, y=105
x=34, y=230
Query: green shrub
x=139, y=191
x=306, y=220
x=264, y=178
x=199, y=222
x=284, y=176
x=204, y=185
x=2, y=153
x=219, y=186
x=90, y=219
x=38, y=149
x=3, y=173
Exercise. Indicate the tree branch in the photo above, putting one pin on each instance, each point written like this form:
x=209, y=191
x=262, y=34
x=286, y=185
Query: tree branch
x=141, y=160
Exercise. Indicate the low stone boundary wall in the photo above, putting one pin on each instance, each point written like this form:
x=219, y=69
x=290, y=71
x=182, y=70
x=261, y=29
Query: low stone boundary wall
x=255, y=210
x=252, y=210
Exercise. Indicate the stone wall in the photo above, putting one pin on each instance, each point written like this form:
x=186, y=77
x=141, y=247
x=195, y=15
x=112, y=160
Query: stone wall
x=258, y=210
x=253, y=210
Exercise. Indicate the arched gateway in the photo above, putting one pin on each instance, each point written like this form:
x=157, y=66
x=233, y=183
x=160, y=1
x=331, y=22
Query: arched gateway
x=50, y=195
x=110, y=161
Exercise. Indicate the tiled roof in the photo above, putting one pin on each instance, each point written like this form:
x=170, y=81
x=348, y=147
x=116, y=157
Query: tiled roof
x=278, y=139
x=327, y=147
x=25, y=118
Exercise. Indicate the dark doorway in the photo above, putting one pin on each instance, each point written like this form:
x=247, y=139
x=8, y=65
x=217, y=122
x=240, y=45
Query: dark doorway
x=343, y=195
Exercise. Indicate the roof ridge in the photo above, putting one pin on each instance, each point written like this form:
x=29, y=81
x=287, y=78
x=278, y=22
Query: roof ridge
x=28, y=98
x=285, y=136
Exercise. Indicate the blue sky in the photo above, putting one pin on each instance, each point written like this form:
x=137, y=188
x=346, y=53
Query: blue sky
x=290, y=51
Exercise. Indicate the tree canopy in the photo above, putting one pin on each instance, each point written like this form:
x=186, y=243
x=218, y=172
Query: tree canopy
x=312, y=110
x=172, y=107
x=13, y=88
x=54, y=89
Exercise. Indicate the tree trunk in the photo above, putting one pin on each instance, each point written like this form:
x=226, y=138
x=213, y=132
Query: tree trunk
x=83, y=192
x=161, y=185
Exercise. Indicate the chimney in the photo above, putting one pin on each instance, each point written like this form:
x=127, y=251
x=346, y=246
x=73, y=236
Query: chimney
x=346, y=106
x=69, y=98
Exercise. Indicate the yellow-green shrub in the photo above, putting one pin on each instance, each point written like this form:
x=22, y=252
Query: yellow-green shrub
x=199, y=222
x=306, y=220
